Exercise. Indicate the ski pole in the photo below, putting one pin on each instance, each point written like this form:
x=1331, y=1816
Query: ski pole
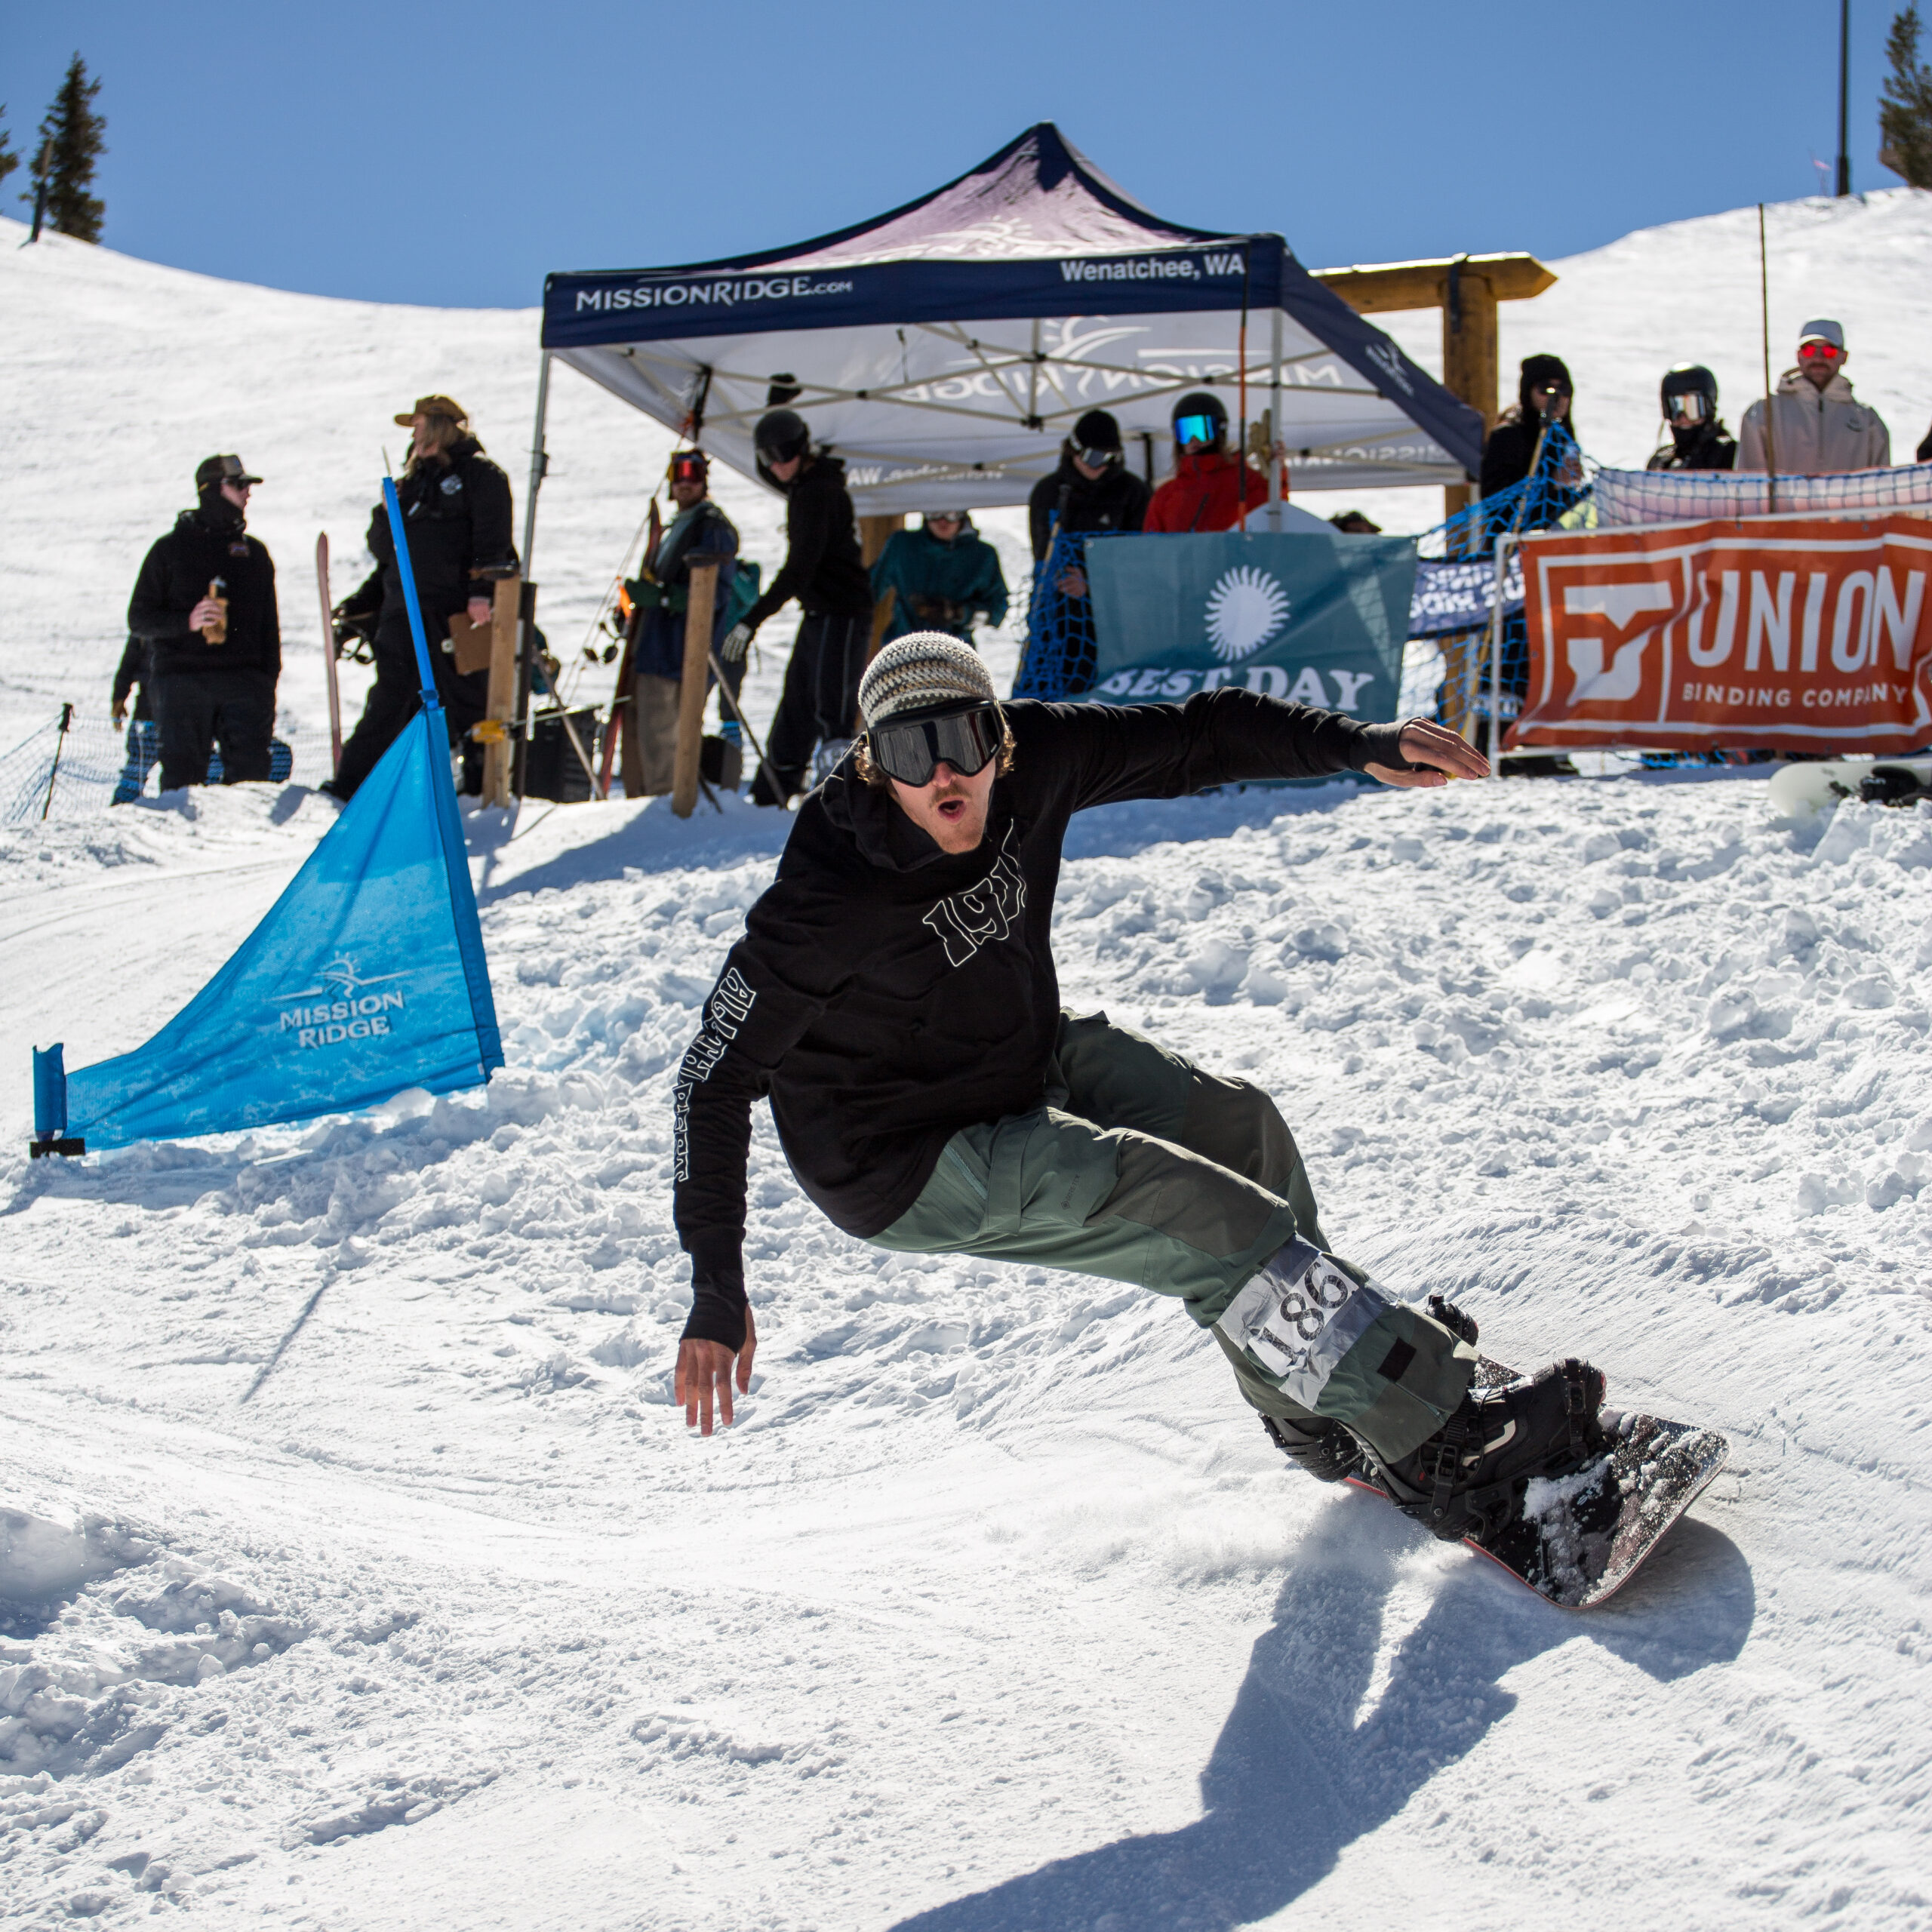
x=727, y=697
x=60, y=743
x=328, y=651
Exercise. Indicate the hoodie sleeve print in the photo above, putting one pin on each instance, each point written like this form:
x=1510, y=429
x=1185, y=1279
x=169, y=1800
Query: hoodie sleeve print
x=755, y=1014
x=1217, y=737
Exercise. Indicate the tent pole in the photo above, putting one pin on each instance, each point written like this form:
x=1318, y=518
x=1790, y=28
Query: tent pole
x=1275, y=426
x=526, y=641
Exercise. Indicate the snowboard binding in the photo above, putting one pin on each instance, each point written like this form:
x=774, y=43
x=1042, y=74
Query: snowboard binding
x=1467, y=1482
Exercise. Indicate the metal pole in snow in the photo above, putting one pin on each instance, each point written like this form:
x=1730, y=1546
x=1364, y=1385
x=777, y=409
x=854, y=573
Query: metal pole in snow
x=60, y=744
x=1502, y=544
x=1275, y=435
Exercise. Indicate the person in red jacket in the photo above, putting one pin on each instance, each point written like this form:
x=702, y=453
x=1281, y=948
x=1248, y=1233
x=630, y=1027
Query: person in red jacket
x=1212, y=488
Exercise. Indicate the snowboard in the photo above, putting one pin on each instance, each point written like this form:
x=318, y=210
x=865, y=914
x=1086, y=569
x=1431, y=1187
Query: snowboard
x=1810, y=787
x=1581, y=1537
x=329, y=653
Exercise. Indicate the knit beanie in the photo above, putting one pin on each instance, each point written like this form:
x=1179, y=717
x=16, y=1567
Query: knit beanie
x=921, y=672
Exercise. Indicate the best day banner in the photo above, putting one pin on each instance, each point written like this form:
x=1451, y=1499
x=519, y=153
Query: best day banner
x=1316, y=619
x=1810, y=634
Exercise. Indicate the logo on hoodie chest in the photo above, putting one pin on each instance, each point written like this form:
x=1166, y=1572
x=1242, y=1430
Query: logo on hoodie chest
x=983, y=914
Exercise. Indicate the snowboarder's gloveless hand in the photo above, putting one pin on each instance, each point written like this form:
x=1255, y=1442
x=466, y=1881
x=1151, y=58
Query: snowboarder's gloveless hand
x=704, y=1368
x=1445, y=754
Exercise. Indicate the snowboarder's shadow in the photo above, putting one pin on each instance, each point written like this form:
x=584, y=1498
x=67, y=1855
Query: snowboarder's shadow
x=1300, y=1770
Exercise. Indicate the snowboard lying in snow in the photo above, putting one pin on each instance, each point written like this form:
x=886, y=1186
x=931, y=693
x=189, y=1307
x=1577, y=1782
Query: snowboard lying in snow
x=1581, y=1537
x=1809, y=787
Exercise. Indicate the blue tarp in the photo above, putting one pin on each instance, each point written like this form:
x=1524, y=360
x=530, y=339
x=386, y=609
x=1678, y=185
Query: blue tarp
x=944, y=350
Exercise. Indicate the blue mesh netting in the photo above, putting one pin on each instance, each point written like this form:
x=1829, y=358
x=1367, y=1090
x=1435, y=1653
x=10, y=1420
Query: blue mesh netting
x=1061, y=655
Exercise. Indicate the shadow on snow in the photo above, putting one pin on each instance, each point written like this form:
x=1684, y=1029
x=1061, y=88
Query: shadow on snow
x=1300, y=1772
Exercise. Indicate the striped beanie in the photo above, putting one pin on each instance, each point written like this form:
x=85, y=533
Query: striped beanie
x=920, y=671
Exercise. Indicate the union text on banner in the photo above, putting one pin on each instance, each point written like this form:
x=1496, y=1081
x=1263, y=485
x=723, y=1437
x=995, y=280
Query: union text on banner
x=1798, y=633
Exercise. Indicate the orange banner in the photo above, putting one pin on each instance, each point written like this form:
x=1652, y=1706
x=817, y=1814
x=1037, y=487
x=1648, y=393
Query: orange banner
x=1809, y=634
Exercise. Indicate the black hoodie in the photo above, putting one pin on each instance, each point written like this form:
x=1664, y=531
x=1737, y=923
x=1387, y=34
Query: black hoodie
x=822, y=568
x=205, y=544
x=886, y=994
x=1115, y=499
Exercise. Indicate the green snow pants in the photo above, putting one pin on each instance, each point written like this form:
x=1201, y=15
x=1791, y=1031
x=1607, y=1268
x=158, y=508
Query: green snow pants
x=1142, y=1168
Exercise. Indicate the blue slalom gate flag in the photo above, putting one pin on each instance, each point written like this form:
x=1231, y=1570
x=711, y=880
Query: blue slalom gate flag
x=366, y=977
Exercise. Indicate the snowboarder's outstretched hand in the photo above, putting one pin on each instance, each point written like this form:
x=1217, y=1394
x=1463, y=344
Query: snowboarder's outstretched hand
x=1445, y=754
x=704, y=1374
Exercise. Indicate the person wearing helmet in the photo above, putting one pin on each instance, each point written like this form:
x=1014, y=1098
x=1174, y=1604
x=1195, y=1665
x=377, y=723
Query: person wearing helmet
x=1698, y=439
x=1212, y=486
x=659, y=594
x=1544, y=393
x=1814, y=426
x=943, y=576
x=1093, y=489
x=823, y=569
x=204, y=607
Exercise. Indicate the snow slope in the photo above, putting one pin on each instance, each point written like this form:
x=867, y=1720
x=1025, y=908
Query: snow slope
x=358, y=1574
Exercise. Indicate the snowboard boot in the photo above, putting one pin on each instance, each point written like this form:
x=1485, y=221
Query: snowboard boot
x=1325, y=1449
x=1467, y=1480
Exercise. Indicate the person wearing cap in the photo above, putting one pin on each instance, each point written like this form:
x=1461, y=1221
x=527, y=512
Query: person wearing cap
x=660, y=593
x=1698, y=439
x=1814, y=426
x=894, y=997
x=824, y=571
x=942, y=577
x=204, y=607
x=456, y=508
x=1213, y=487
x=1543, y=396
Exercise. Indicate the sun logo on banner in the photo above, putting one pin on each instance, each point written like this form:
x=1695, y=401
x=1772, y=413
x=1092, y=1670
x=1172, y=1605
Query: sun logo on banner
x=1244, y=610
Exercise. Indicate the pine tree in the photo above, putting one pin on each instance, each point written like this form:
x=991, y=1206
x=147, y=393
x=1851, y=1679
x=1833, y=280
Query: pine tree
x=1905, y=114
x=73, y=136
x=9, y=160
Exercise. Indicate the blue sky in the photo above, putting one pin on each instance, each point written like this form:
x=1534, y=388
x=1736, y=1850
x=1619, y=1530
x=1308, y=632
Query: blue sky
x=453, y=154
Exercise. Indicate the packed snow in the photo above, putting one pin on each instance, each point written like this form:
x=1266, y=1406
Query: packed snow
x=357, y=1573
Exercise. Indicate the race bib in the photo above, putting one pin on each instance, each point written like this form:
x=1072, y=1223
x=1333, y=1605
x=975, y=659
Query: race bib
x=1297, y=1319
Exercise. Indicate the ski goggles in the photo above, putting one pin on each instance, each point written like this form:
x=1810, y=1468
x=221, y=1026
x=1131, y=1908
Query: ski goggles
x=1195, y=430
x=911, y=749
x=1690, y=407
x=1818, y=349
x=1098, y=459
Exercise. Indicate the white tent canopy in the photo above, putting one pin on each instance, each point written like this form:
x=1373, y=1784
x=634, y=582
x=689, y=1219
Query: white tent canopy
x=945, y=350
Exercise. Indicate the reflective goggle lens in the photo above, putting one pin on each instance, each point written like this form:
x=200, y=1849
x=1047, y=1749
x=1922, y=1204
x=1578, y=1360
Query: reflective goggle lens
x=1099, y=458
x=1690, y=407
x=1195, y=429
x=910, y=751
x=1816, y=350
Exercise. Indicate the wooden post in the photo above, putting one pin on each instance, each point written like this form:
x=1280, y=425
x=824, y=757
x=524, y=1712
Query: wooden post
x=1469, y=353
x=691, y=692
x=500, y=704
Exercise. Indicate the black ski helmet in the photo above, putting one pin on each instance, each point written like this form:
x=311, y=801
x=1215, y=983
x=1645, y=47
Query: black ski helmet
x=1691, y=379
x=1200, y=403
x=781, y=435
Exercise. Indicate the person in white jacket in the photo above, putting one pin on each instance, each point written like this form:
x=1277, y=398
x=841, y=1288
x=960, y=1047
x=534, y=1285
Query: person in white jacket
x=1817, y=427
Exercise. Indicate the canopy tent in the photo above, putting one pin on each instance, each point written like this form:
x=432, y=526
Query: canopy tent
x=944, y=350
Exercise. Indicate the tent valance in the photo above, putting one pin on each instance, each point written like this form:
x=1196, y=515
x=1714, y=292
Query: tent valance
x=944, y=350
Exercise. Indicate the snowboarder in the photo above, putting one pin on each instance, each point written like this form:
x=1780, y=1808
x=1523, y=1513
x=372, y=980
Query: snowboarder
x=204, y=606
x=659, y=595
x=457, y=503
x=1698, y=439
x=823, y=570
x=1213, y=487
x=1817, y=427
x=1092, y=489
x=943, y=576
x=894, y=996
x=1544, y=394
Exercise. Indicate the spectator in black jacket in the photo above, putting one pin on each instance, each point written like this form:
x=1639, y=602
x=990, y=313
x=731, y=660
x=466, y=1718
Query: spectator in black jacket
x=204, y=606
x=456, y=507
x=823, y=570
x=1093, y=489
x=131, y=680
x=1543, y=395
x=1698, y=439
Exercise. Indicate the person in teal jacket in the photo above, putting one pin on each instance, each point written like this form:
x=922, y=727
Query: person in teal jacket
x=944, y=576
